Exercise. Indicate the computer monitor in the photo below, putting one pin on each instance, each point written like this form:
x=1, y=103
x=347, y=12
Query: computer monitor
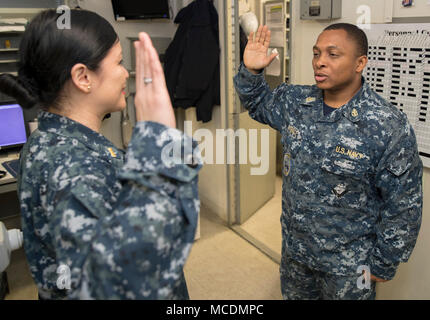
x=138, y=9
x=12, y=126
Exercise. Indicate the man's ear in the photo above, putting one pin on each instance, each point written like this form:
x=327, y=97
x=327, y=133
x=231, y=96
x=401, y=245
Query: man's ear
x=361, y=63
x=81, y=77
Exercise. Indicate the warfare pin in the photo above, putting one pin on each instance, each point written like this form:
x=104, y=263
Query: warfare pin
x=340, y=190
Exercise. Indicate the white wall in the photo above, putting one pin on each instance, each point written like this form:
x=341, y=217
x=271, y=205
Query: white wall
x=419, y=9
x=412, y=280
x=212, y=177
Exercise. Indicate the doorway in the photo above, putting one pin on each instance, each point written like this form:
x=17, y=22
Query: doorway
x=255, y=201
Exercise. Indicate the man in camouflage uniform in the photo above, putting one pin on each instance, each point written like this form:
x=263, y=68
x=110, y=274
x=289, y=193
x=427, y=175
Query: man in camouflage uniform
x=352, y=185
x=118, y=226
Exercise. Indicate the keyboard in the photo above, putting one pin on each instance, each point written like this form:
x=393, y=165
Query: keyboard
x=12, y=167
x=9, y=163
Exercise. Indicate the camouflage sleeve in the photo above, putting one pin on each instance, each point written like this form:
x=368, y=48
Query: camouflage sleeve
x=399, y=182
x=263, y=105
x=137, y=247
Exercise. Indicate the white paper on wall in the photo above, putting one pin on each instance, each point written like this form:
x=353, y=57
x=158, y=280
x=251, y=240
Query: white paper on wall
x=274, y=68
x=399, y=70
x=274, y=19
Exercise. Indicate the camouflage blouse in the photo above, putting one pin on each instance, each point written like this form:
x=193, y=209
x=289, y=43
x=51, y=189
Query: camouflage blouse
x=99, y=223
x=352, y=183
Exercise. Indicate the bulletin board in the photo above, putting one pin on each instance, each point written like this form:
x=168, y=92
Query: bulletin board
x=399, y=70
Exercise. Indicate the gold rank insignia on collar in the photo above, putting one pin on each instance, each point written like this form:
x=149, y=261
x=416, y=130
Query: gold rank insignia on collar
x=310, y=99
x=112, y=152
x=293, y=130
x=354, y=112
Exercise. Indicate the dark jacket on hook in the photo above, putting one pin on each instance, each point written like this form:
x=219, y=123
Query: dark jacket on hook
x=191, y=62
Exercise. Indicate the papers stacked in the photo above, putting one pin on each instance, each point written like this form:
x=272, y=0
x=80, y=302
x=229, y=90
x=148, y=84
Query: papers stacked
x=13, y=25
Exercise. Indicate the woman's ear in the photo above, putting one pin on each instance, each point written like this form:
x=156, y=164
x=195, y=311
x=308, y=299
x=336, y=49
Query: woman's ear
x=361, y=63
x=81, y=77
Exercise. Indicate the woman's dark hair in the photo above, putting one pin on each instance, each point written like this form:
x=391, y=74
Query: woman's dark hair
x=47, y=55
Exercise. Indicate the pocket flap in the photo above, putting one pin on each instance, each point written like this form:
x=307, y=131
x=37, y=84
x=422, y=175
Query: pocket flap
x=399, y=165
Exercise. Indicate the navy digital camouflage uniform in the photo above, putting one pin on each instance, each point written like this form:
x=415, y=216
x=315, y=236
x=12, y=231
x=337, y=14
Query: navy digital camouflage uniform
x=122, y=223
x=352, y=186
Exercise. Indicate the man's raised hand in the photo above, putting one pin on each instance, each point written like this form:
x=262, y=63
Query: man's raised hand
x=255, y=56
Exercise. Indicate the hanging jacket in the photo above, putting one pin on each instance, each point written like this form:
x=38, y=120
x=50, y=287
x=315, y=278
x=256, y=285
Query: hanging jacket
x=191, y=62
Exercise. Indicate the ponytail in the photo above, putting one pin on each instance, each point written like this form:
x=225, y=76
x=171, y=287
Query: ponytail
x=19, y=89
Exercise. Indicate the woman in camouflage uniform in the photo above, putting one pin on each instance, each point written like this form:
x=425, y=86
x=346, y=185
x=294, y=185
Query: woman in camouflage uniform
x=98, y=222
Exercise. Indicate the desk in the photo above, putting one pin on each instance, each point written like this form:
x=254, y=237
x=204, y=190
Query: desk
x=9, y=203
x=8, y=182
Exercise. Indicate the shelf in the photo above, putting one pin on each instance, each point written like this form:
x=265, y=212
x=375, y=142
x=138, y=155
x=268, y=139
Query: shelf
x=12, y=13
x=8, y=61
x=12, y=73
x=10, y=32
x=9, y=50
x=8, y=187
x=11, y=35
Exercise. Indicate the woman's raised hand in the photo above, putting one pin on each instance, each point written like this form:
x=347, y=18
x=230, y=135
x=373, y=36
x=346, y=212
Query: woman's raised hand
x=255, y=55
x=152, y=99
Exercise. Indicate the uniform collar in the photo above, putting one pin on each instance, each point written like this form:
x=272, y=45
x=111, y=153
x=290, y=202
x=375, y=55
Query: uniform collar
x=352, y=110
x=63, y=126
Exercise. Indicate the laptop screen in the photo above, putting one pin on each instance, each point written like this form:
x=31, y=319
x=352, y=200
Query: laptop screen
x=12, y=126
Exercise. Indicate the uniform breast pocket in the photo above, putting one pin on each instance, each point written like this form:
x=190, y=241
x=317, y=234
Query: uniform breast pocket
x=345, y=182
